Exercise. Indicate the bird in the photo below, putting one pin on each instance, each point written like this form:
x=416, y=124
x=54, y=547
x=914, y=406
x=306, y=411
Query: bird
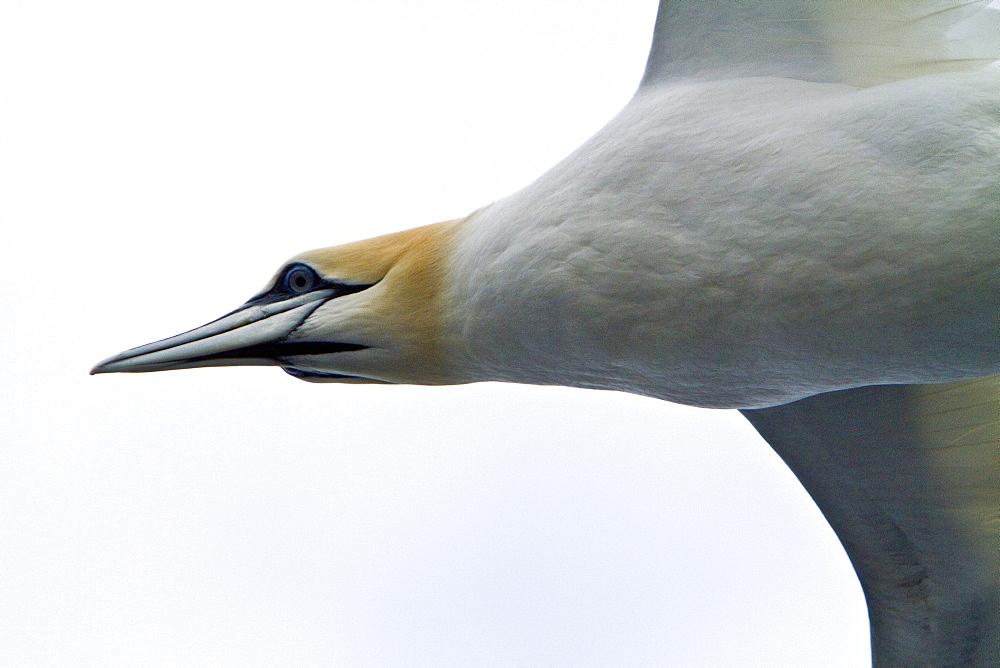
x=797, y=216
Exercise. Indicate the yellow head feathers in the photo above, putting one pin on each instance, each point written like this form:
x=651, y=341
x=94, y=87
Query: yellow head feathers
x=368, y=311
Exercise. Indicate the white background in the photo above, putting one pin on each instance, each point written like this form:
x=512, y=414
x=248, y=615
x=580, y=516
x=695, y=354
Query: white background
x=159, y=160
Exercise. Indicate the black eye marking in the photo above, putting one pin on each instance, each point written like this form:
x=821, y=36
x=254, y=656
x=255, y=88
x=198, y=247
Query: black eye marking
x=298, y=279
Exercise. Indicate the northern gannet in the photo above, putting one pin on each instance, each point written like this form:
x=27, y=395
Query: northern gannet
x=798, y=216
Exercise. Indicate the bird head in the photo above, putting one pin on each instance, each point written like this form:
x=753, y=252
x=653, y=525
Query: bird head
x=366, y=312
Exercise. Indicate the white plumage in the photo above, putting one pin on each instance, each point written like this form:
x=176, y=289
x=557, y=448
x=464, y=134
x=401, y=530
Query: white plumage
x=800, y=204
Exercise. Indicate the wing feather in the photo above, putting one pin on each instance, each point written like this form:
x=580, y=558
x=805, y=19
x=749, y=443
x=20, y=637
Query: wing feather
x=855, y=42
x=909, y=478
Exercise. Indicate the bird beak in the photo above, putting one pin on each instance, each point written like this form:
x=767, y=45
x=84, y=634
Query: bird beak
x=253, y=335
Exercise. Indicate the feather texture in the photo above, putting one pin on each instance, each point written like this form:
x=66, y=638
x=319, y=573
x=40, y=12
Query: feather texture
x=909, y=478
x=856, y=42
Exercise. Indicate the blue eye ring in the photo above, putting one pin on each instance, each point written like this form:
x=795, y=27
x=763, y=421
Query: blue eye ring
x=300, y=279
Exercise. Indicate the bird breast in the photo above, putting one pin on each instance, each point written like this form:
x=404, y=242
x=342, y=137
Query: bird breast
x=748, y=242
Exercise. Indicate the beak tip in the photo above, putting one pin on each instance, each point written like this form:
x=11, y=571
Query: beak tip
x=101, y=367
x=109, y=365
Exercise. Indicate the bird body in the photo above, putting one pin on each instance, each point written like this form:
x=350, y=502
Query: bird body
x=798, y=216
x=761, y=246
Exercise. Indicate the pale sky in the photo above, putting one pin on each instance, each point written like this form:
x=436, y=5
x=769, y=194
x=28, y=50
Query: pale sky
x=158, y=161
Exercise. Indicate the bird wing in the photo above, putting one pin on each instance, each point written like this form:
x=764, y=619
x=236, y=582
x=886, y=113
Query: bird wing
x=909, y=478
x=855, y=42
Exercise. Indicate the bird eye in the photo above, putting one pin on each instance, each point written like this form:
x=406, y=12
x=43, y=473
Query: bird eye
x=300, y=280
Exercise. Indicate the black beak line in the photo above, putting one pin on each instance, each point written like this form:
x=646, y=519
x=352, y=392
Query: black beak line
x=252, y=335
